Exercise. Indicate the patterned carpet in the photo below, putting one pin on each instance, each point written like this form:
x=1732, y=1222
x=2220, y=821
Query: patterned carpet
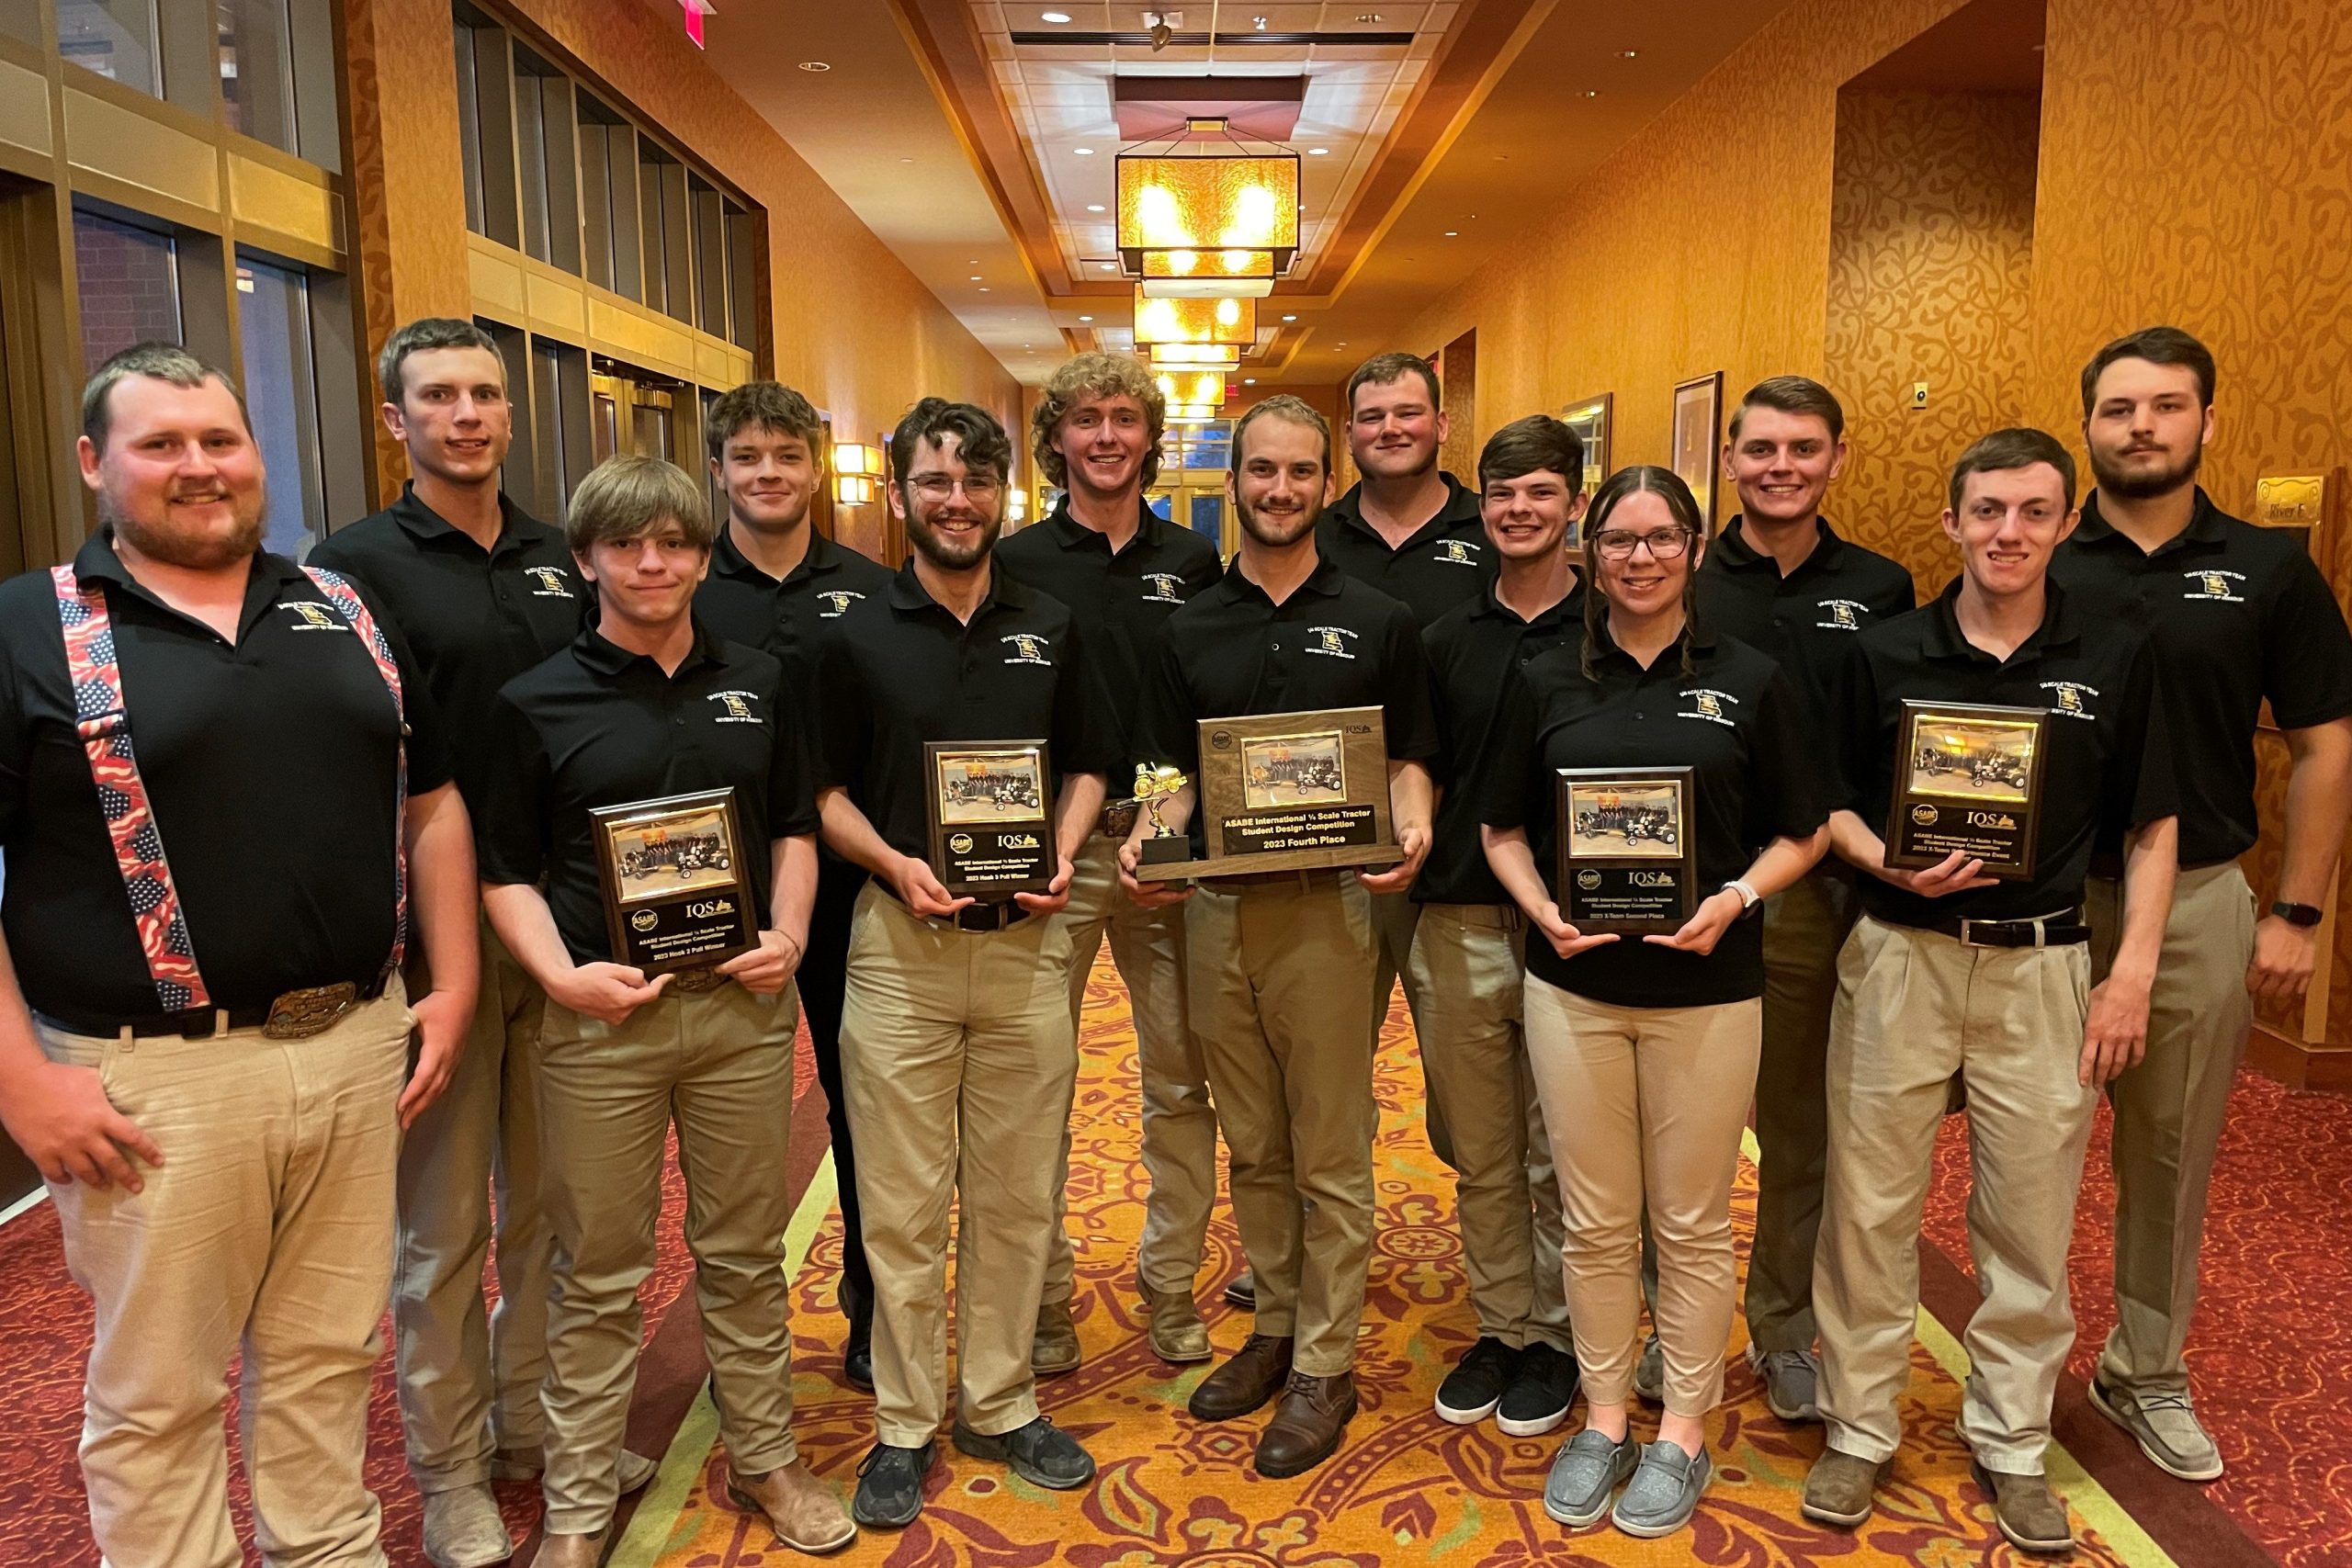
x=1407, y=1487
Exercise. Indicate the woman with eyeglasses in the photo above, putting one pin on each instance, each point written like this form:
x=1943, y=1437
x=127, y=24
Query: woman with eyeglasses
x=1644, y=1047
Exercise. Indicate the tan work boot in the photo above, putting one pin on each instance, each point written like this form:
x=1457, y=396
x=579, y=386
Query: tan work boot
x=571, y=1551
x=1055, y=1350
x=1839, y=1489
x=801, y=1509
x=2028, y=1511
x=1176, y=1331
x=464, y=1530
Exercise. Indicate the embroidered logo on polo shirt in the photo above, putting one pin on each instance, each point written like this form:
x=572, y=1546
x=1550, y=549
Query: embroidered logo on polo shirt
x=1456, y=552
x=835, y=601
x=1028, y=648
x=310, y=616
x=1160, y=588
x=2220, y=587
x=1326, y=640
x=1845, y=614
x=1708, y=703
x=2068, y=698
x=734, y=707
x=552, y=584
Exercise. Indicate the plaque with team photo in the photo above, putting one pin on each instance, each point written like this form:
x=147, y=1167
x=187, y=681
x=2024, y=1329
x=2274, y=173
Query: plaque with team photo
x=1290, y=792
x=675, y=892
x=990, y=804
x=1967, y=777
x=1626, y=859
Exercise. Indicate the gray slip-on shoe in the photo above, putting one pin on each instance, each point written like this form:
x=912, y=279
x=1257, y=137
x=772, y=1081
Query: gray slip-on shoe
x=1585, y=1474
x=1664, y=1492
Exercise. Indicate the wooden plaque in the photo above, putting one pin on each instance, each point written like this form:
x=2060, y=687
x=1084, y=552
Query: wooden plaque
x=677, y=892
x=990, y=804
x=1290, y=792
x=1967, y=777
x=1628, y=859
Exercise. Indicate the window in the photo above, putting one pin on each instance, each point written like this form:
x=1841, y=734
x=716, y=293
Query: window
x=130, y=282
x=114, y=37
x=257, y=70
x=281, y=398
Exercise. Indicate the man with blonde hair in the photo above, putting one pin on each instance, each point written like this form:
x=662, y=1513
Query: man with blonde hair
x=647, y=705
x=1123, y=571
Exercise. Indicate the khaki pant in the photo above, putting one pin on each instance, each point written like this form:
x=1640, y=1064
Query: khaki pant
x=1805, y=925
x=269, y=1226
x=1178, y=1122
x=1914, y=1009
x=469, y=1379
x=1279, y=974
x=1645, y=1106
x=2168, y=1113
x=959, y=1060
x=719, y=1064
x=1395, y=917
x=1467, y=971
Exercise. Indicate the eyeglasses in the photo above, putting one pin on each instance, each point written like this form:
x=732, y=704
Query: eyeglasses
x=1617, y=544
x=939, y=487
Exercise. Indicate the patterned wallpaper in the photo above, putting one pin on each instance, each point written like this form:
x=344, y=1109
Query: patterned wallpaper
x=2191, y=169
x=1931, y=279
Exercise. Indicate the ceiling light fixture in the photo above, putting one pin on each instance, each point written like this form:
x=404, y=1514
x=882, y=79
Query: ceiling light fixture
x=1086, y=318
x=1625, y=53
x=1210, y=320
x=984, y=288
x=1249, y=380
x=1289, y=318
x=1083, y=152
x=1589, y=93
x=1204, y=209
x=815, y=65
x=1318, y=152
x=1454, y=233
x=1057, y=18
x=1094, y=207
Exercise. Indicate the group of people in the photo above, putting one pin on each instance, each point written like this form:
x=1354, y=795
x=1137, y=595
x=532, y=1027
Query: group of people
x=264, y=1111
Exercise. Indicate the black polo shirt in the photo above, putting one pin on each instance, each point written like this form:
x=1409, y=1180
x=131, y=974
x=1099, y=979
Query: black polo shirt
x=2237, y=614
x=598, y=726
x=1445, y=561
x=1733, y=721
x=270, y=767
x=1802, y=621
x=1475, y=651
x=900, y=669
x=2107, y=769
x=1119, y=600
x=477, y=618
x=782, y=616
x=1334, y=643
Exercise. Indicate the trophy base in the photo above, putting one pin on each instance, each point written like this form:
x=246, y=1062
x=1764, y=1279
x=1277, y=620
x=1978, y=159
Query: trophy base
x=1165, y=851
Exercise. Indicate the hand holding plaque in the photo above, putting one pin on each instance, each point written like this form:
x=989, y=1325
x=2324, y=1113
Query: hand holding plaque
x=991, y=818
x=1967, y=779
x=1627, y=860
x=677, y=895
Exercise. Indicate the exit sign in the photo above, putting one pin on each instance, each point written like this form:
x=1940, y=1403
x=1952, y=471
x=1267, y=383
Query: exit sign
x=696, y=10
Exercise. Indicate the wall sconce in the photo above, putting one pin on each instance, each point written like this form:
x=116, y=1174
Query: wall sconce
x=1017, y=504
x=856, y=465
x=852, y=489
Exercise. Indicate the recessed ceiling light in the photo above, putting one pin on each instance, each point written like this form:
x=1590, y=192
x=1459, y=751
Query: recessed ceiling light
x=1289, y=318
x=984, y=288
x=1093, y=206
x=1626, y=54
x=1367, y=17
x=815, y=65
x=1454, y=233
x=1110, y=266
x=1589, y=93
x=1086, y=318
x=1083, y=152
x=975, y=277
x=1249, y=380
x=1318, y=152
x=1057, y=18
x=906, y=160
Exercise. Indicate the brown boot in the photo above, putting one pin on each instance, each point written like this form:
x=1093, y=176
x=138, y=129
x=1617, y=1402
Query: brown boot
x=1254, y=1375
x=801, y=1509
x=1307, y=1425
x=2028, y=1511
x=571, y=1551
x=1838, y=1488
x=1176, y=1333
x=1055, y=1350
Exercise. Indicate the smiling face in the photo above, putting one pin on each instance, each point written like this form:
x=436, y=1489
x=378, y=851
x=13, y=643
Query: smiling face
x=648, y=578
x=1395, y=429
x=453, y=415
x=2147, y=428
x=2008, y=523
x=769, y=476
x=1528, y=518
x=1102, y=440
x=1280, y=483
x=1643, y=583
x=952, y=514
x=179, y=479
x=1782, y=464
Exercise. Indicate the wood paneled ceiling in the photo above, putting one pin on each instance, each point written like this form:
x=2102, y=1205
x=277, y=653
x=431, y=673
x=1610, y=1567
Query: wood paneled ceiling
x=977, y=138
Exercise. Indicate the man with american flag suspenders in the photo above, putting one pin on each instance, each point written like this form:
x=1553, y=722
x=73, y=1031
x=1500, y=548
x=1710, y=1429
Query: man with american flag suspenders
x=221, y=803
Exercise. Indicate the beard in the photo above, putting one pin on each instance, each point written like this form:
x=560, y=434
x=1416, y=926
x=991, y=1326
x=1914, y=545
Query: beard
x=1276, y=532
x=959, y=555
x=189, y=549
x=2140, y=485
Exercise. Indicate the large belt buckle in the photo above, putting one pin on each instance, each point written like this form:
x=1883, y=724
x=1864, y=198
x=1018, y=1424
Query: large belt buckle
x=298, y=1015
x=703, y=977
x=1118, y=819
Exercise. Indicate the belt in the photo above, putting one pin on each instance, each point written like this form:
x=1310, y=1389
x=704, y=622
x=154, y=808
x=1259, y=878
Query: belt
x=2061, y=930
x=295, y=1015
x=988, y=917
x=1118, y=819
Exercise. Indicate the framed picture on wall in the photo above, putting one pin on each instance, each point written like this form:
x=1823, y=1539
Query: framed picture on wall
x=1589, y=419
x=1698, y=439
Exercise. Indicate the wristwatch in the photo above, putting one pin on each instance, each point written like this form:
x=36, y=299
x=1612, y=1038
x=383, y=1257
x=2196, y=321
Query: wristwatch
x=1748, y=897
x=2304, y=915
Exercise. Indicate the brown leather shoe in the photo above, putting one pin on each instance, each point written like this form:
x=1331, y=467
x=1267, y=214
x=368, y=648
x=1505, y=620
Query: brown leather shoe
x=1307, y=1425
x=571, y=1551
x=1253, y=1375
x=1055, y=1350
x=1176, y=1331
x=801, y=1509
x=2031, y=1515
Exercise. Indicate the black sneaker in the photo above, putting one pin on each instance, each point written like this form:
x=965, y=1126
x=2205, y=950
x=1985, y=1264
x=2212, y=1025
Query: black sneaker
x=1039, y=1452
x=1541, y=1391
x=1475, y=1386
x=889, y=1486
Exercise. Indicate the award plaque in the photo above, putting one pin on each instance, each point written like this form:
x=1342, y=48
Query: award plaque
x=1290, y=792
x=675, y=892
x=1967, y=777
x=1628, y=863
x=990, y=804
